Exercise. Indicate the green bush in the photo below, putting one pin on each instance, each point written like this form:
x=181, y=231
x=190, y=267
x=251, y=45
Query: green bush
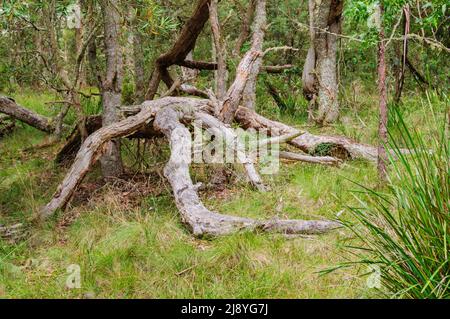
x=405, y=231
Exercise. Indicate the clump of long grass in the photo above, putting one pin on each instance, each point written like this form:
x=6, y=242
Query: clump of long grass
x=404, y=231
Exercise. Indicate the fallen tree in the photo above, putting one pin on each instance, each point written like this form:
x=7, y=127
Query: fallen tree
x=170, y=113
x=172, y=117
x=10, y=107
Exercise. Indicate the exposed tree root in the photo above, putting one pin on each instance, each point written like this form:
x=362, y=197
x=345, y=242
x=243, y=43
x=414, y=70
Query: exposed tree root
x=92, y=148
x=169, y=113
x=201, y=221
x=306, y=142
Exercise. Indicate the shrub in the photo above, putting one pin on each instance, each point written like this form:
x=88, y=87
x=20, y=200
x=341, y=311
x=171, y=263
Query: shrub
x=405, y=230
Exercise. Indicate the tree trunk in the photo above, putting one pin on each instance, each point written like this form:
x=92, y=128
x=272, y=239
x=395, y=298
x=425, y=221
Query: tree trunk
x=111, y=161
x=79, y=35
x=139, y=60
x=320, y=69
x=249, y=94
x=181, y=48
x=245, y=27
x=382, y=131
x=219, y=50
x=246, y=66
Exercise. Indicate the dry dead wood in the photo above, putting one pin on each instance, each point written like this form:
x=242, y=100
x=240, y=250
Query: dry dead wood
x=324, y=160
x=201, y=221
x=168, y=113
x=341, y=147
x=10, y=107
x=92, y=148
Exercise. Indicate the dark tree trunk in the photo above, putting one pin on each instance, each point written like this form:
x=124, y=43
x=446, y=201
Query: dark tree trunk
x=11, y=108
x=320, y=70
x=184, y=44
x=111, y=161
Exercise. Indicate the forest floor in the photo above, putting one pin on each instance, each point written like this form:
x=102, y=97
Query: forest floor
x=128, y=240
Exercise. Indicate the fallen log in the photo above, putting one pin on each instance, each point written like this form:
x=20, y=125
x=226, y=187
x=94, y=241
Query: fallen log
x=201, y=221
x=10, y=107
x=92, y=148
x=324, y=160
x=336, y=146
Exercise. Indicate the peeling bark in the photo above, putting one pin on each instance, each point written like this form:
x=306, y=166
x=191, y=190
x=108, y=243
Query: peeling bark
x=245, y=27
x=259, y=25
x=247, y=65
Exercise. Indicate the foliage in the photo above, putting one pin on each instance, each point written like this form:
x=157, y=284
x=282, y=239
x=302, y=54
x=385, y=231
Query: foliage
x=405, y=230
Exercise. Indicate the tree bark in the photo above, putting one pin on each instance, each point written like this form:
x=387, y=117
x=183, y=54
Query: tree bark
x=221, y=74
x=246, y=66
x=139, y=59
x=245, y=27
x=11, y=108
x=181, y=48
x=111, y=161
x=338, y=146
x=320, y=69
x=96, y=144
x=328, y=18
x=382, y=130
x=200, y=220
x=259, y=25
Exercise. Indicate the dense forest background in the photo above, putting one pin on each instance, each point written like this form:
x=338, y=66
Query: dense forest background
x=375, y=99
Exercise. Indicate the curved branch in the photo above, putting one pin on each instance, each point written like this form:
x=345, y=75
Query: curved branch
x=10, y=107
x=200, y=220
x=91, y=150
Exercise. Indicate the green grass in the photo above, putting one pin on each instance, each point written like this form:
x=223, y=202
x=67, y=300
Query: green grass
x=139, y=248
x=405, y=229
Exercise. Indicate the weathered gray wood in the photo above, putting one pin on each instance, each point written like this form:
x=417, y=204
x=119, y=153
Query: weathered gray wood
x=219, y=129
x=200, y=220
x=307, y=142
x=324, y=160
x=111, y=86
x=11, y=108
x=248, y=65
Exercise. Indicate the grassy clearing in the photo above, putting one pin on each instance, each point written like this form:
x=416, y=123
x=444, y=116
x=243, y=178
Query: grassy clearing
x=134, y=245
